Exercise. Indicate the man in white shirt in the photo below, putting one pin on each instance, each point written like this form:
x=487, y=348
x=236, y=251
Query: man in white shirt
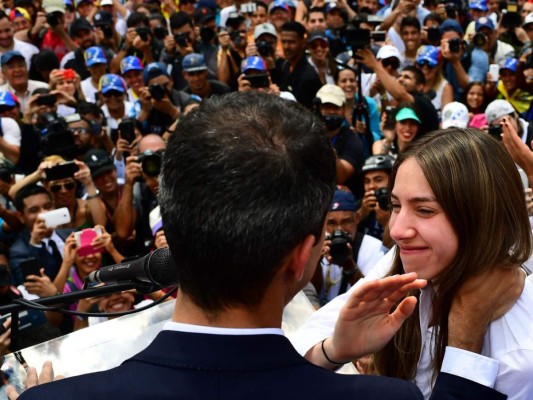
x=9, y=42
x=15, y=71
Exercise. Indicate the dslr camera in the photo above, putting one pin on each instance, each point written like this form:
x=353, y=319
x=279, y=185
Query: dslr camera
x=151, y=162
x=52, y=19
x=382, y=195
x=479, y=40
x=56, y=138
x=264, y=48
x=181, y=39
x=338, y=249
x=455, y=45
x=143, y=32
x=157, y=91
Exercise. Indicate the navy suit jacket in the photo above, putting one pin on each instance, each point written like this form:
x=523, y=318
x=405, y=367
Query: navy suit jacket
x=178, y=365
x=22, y=249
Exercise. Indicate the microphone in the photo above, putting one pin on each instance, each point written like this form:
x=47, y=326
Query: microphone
x=157, y=268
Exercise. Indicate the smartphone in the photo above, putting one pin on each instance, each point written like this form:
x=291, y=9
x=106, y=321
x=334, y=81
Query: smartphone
x=30, y=266
x=46, y=100
x=494, y=71
x=258, y=80
x=390, y=123
x=126, y=128
x=84, y=239
x=55, y=218
x=496, y=131
x=61, y=171
x=69, y=74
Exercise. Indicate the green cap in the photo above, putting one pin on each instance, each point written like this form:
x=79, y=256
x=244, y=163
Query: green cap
x=407, y=113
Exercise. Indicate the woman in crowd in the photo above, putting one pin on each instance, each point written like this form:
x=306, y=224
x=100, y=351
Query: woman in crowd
x=66, y=81
x=437, y=87
x=345, y=78
x=407, y=125
x=320, y=58
x=452, y=227
x=475, y=100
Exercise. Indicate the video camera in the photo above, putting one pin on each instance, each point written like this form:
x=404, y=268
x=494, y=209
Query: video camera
x=264, y=48
x=56, y=137
x=338, y=248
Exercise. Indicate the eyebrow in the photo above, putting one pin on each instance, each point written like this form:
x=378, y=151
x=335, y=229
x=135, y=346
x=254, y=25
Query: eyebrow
x=418, y=199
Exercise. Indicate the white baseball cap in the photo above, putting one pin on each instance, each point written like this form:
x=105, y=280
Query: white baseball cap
x=331, y=94
x=455, y=114
x=388, y=51
x=528, y=19
x=498, y=109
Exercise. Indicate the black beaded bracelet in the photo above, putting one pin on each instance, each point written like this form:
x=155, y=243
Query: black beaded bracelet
x=325, y=355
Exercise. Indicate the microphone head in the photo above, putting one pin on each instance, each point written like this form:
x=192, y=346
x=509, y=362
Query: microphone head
x=162, y=268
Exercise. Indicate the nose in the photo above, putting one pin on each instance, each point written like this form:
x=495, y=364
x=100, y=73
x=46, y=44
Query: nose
x=400, y=226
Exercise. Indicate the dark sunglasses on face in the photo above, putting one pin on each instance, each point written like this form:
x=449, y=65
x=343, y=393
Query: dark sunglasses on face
x=318, y=43
x=114, y=93
x=56, y=187
x=425, y=63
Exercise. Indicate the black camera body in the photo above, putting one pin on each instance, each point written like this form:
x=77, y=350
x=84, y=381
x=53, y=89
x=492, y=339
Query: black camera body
x=56, y=138
x=160, y=33
x=157, y=91
x=52, y=19
x=143, y=32
x=382, y=196
x=338, y=249
x=434, y=34
x=6, y=171
x=495, y=131
x=264, y=48
x=151, y=162
x=455, y=45
x=479, y=40
x=181, y=39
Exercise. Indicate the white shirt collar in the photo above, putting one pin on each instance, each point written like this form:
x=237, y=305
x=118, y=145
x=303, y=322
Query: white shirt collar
x=180, y=327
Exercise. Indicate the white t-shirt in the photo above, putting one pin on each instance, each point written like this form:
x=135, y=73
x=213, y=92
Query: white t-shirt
x=26, y=49
x=11, y=131
x=112, y=123
x=89, y=91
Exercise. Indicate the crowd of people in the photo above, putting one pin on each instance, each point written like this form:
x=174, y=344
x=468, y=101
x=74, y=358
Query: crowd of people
x=91, y=92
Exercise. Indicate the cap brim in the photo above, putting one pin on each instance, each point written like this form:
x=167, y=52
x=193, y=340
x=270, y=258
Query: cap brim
x=52, y=9
x=103, y=168
x=110, y=88
x=195, y=69
x=329, y=99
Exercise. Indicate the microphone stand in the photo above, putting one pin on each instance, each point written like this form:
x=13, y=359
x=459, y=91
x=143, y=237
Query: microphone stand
x=15, y=308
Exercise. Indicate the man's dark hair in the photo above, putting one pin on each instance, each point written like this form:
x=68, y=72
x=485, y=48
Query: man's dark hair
x=179, y=19
x=316, y=10
x=26, y=191
x=246, y=178
x=433, y=17
x=410, y=21
x=262, y=4
x=3, y=15
x=419, y=76
x=137, y=19
x=159, y=18
x=293, y=26
x=86, y=107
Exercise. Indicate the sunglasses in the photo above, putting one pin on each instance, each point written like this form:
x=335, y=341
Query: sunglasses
x=113, y=93
x=390, y=63
x=319, y=43
x=81, y=131
x=425, y=63
x=56, y=187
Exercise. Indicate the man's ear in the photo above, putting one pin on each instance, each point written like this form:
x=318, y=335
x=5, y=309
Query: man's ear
x=300, y=257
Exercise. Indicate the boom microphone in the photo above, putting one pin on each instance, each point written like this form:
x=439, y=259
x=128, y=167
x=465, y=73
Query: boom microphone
x=157, y=268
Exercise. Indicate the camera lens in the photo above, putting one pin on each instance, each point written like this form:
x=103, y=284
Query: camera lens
x=338, y=249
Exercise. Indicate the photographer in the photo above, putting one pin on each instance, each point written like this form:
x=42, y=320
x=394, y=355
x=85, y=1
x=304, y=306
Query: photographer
x=497, y=50
x=462, y=64
x=161, y=105
x=232, y=50
x=139, y=194
x=194, y=70
x=55, y=37
x=264, y=45
x=255, y=76
x=180, y=42
x=348, y=255
x=348, y=146
x=85, y=36
x=138, y=41
x=373, y=214
x=499, y=110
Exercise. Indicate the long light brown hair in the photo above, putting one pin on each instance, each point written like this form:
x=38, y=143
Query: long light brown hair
x=477, y=184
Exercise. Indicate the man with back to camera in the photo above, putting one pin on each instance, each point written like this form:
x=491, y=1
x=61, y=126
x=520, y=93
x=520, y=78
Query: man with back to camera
x=224, y=340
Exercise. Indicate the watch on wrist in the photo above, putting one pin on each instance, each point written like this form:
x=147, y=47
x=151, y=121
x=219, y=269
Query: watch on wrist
x=93, y=196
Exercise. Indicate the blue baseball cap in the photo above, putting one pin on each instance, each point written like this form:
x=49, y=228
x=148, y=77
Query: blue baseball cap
x=478, y=5
x=429, y=54
x=278, y=4
x=8, y=99
x=484, y=22
x=94, y=55
x=255, y=63
x=110, y=82
x=510, y=64
x=193, y=62
x=130, y=63
x=451, y=25
x=9, y=55
x=153, y=70
x=342, y=201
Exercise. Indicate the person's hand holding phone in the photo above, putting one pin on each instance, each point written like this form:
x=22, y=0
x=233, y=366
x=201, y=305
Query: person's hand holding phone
x=39, y=232
x=40, y=285
x=103, y=240
x=133, y=170
x=69, y=251
x=5, y=337
x=83, y=175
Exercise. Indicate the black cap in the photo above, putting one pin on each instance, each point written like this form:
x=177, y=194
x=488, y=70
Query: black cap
x=378, y=163
x=103, y=18
x=98, y=161
x=80, y=24
x=202, y=15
